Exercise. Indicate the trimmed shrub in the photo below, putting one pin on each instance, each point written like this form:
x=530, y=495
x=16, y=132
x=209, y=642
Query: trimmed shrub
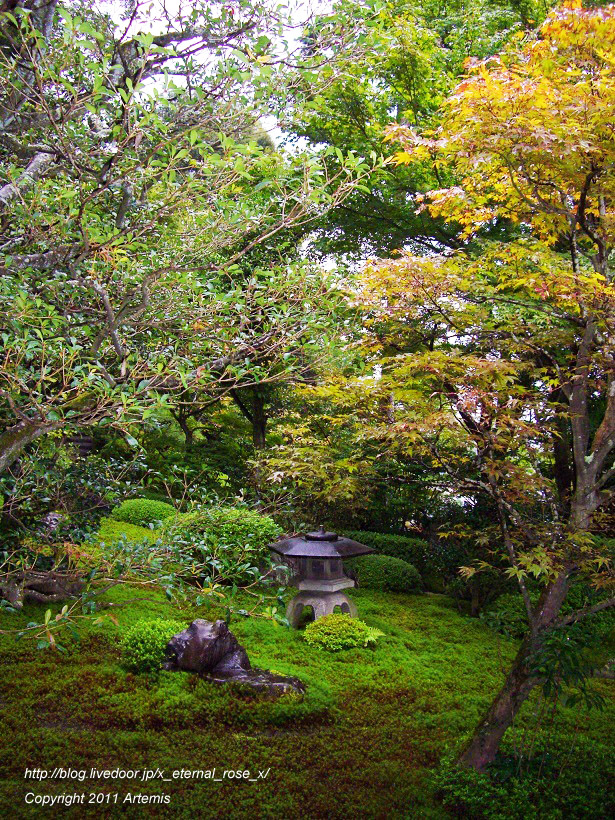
x=143, y=645
x=437, y=560
x=232, y=527
x=386, y=573
x=143, y=511
x=335, y=632
x=415, y=551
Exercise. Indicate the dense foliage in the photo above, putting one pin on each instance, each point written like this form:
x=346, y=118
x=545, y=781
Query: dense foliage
x=412, y=550
x=541, y=788
x=507, y=613
x=226, y=528
x=266, y=267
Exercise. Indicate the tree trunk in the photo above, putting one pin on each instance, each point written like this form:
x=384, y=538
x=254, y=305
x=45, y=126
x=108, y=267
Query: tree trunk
x=182, y=420
x=259, y=421
x=482, y=748
x=585, y=502
x=562, y=463
x=485, y=742
x=13, y=440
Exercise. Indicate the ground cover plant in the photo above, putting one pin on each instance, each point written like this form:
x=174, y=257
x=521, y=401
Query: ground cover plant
x=336, y=632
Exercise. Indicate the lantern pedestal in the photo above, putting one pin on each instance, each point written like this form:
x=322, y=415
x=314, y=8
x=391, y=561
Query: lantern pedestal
x=322, y=603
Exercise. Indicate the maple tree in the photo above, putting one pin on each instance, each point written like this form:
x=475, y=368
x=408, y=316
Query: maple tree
x=512, y=393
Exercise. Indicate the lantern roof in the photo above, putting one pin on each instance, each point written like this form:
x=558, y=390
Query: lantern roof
x=319, y=544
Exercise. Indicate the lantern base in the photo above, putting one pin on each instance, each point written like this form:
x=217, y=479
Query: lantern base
x=322, y=603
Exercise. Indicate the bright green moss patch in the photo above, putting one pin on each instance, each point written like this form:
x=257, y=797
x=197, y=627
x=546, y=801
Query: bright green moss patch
x=111, y=531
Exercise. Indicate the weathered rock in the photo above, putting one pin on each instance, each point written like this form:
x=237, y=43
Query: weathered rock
x=201, y=646
x=211, y=650
x=52, y=521
x=233, y=664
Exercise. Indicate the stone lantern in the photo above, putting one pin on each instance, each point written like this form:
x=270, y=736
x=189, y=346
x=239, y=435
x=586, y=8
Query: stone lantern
x=317, y=558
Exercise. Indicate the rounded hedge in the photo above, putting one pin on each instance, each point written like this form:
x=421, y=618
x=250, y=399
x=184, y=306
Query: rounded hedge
x=386, y=573
x=230, y=527
x=143, y=511
x=415, y=551
x=144, y=644
x=335, y=632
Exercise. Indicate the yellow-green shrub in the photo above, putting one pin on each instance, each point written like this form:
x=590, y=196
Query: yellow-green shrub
x=335, y=632
x=143, y=645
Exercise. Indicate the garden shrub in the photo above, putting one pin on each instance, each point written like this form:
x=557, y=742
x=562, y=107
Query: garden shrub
x=335, y=632
x=605, y=545
x=413, y=550
x=386, y=573
x=153, y=495
x=437, y=561
x=237, y=528
x=144, y=643
x=143, y=511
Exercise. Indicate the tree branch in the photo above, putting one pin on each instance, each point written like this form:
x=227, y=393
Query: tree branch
x=584, y=613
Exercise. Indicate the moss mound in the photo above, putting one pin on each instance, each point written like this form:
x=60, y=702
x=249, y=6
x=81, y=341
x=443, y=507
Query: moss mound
x=143, y=511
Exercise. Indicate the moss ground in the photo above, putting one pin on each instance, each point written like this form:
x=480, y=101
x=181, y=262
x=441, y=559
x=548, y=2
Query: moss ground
x=363, y=742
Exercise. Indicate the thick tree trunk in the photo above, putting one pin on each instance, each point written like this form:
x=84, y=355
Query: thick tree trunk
x=182, y=421
x=13, y=440
x=256, y=415
x=585, y=502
